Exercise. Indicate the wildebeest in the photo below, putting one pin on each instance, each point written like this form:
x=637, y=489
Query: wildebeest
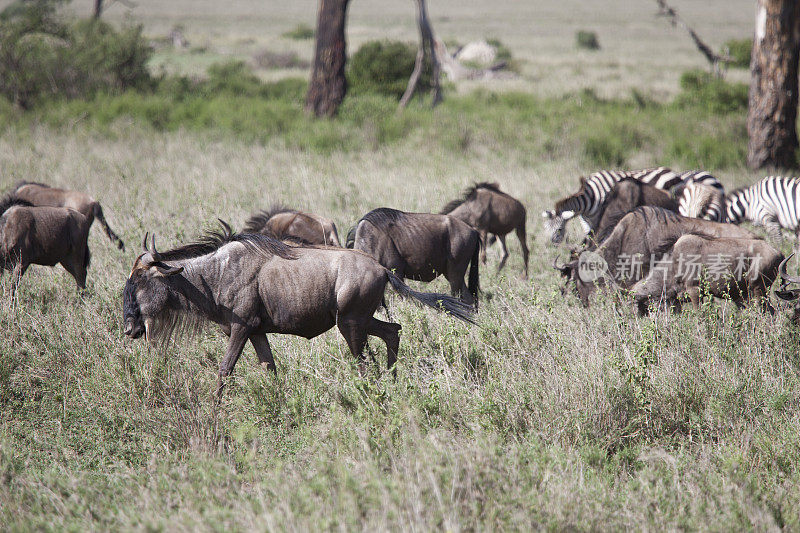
x=738, y=269
x=42, y=236
x=421, y=246
x=283, y=223
x=252, y=285
x=621, y=200
x=489, y=210
x=41, y=195
x=627, y=251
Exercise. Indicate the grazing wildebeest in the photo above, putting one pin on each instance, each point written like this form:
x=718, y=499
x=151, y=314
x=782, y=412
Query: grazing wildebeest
x=41, y=195
x=489, y=210
x=252, y=285
x=627, y=251
x=738, y=269
x=284, y=223
x=421, y=246
x=42, y=236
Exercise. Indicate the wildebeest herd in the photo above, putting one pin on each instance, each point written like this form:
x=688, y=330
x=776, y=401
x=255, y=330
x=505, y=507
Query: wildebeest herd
x=656, y=236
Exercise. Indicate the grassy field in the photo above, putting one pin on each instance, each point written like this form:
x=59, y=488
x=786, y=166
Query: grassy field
x=544, y=416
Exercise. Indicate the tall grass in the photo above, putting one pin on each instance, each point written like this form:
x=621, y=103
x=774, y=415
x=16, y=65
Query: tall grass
x=546, y=415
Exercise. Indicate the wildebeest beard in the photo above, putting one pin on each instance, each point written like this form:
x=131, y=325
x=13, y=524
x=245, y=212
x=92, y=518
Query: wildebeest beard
x=172, y=321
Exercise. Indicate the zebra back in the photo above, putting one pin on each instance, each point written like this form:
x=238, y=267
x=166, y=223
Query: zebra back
x=770, y=202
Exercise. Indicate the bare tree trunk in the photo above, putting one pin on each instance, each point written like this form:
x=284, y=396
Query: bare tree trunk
x=98, y=8
x=328, y=84
x=427, y=48
x=772, y=116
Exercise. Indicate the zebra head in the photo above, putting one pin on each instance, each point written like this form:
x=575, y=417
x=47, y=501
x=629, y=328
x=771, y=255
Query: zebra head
x=555, y=224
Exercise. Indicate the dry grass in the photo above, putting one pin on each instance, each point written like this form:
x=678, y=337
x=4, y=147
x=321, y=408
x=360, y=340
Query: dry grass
x=545, y=416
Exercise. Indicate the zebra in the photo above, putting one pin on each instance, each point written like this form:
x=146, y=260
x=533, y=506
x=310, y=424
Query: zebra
x=701, y=195
x=773, y=202
x=592, y=193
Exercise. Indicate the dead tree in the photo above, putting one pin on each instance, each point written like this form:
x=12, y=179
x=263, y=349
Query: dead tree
x=715, y=59
x=328, y=84
x=772, y=115
x=427, y=49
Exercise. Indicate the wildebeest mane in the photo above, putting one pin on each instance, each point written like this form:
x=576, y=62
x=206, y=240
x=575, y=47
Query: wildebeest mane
x=259, y=220
x=214, y=240
x=380, y=218
x=37, y=183
x=469, y=194
x=10, y=200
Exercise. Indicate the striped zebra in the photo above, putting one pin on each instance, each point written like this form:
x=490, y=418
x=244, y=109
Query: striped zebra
x=701, y=195
x=773, y=202
x=592, y=193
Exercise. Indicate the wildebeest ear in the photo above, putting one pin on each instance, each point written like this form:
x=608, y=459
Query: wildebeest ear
x=166, y=270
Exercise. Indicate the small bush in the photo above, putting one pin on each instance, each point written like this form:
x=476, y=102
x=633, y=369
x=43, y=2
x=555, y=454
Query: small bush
x=300, y=32
x=42, y=56
x=712, y=93
x=268, y=60
x=739, y=51
x=587, y=40
x=384, y=67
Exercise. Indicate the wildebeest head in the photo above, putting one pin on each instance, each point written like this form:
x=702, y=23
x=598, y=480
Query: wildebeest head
x=784, y=292
x=146, y=292
x=571, y=274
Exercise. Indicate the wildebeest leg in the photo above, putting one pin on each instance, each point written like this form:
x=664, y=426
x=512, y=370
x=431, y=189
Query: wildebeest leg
x=502, y=239
x=236, y=342
x=522, y=238
x=694, y=296
x=484, y=236
x=76, y=271
x=355, y=334
x=263, y=351
x=388, y=332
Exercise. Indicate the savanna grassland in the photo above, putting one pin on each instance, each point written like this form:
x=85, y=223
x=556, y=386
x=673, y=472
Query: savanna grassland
x=544, y=416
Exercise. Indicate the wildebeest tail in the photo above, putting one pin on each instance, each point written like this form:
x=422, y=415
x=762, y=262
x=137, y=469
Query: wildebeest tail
x=351, y=237
x=98, y=214
x=440, y=302
x=473, y=283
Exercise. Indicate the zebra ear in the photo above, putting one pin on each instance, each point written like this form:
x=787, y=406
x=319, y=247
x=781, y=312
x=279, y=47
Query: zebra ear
x=566, y=215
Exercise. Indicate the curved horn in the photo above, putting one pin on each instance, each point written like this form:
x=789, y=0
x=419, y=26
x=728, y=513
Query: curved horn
x=226, y=227
x=784, y=276
x=154, y=251
x=144, y=242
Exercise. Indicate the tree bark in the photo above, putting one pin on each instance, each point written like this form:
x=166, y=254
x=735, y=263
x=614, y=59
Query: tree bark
x=772, y=115
x=328, y=84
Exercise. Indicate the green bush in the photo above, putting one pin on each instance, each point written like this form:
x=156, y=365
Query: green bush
x=587, y=40
x=384, y=67
x=43, y=56
x=300, y=32
x=739, y=51
x=705, y=90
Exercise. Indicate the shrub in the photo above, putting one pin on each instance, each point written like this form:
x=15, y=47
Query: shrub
x=300, y=32
x=43, y=57
x=739, y=51
x=267, y=59
x=711, y=93
x=384, y=67
x=587, y=40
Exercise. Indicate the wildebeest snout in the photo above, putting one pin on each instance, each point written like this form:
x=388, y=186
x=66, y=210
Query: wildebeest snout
x=132, y=329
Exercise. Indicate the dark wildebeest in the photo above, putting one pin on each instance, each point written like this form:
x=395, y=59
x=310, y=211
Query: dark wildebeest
x=252, y=285
x=421, y=246
x=42, y=236
x=621, y=200
x=738, y=269
x=489, y=210
x=42, y=195
x=284, y=223
x=624, y=256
